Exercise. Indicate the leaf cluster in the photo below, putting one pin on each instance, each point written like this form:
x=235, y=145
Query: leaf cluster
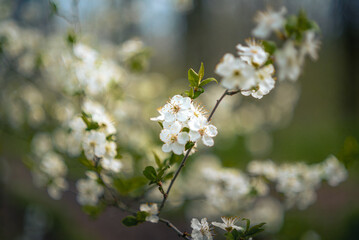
x=196, y=83
x=246, y=233
x=159, y=175
x=297, y=25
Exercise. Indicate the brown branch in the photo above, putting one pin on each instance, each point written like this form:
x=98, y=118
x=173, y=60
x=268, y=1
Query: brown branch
x=122, y=206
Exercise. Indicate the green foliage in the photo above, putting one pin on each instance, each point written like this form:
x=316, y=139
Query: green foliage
x=350, y=151
x=297, y=25
x=53, y=7
x=133, y=186
x=196, y=83
x=151, y=174
x=94, y=211
x=139, y=61
x=269, y=46
x=91, y=125
x=189, y=145
x=130, y=221
x=71, y=37
x=246, y=233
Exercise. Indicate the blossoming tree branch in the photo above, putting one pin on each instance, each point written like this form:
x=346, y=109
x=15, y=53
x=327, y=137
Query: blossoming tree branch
x=116, y=170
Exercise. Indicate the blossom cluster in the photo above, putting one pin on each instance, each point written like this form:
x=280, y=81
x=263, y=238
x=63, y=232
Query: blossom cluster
x=250, y=72
x=184, y=122
x=298, y=42
x=299, y=181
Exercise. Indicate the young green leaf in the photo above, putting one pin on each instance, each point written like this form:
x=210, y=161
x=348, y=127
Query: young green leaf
x=206, y=81
x=130, y=221
x=193, y=78
x=158, y=160
x=141, y=216
x=198, y=92
x=255, y=230
x=150, y=173
x=200, y=73
x=269, y=46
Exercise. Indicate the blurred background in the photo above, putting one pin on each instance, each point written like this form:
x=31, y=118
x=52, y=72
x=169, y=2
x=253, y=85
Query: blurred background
x=306, y=120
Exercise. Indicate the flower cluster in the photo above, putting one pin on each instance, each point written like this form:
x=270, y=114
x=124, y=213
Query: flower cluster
x=299, y=38
x=89, y=190
x=94, y=74
x=250, y=72
x=93, y=132
x=183, y=122
x=152, y=211
x=299, y=181
x=51, y=172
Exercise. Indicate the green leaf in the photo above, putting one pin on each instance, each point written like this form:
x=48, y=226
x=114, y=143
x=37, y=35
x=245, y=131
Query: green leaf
x=53, y=7
x=150, y=173
x=269, y=46
x=234, y=235
x=189, y=145
x=161, y=124
x=248, y=223
x=133, y=186
x=198, y=92
x=157, y=160
x=71, y=37
x=200, y=73
x=130, y=221
x=168, y=176
x=175, y=158
x=193, y=78
x=206, y=81
x=93, y=211
x=141, y=216
x=255, y=230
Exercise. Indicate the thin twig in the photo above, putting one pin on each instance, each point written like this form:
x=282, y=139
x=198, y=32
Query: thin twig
x=122, y=206
x=165, y=197
x=180, y=234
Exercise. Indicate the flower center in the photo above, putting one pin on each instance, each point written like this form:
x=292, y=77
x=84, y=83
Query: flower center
x=176, y=108
x=237, y=73
x=173, y=138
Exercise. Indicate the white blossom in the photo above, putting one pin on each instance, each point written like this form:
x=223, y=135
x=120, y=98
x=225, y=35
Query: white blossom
x=335, y=171
x=152, y=210
x=309, y=46
x=288, y=62
x=268, y=21
x=265, y=82
x=228, y=224
x=94, y=144
x=253, y=54
x=89, y=191
x=201, y=230
x=201, y=129
x=174, y=140
x=236, y=73
x=177, y=109
x=111, y=164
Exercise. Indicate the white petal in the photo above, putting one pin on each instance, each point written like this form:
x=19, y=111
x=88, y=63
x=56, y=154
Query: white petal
x=166, y=148
x=177, y=148
x=194, y=135
x=195, y=224
x=183, y=138
x=211, y=131
x=208, y=141
x=176, y=127
x=165, y=135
